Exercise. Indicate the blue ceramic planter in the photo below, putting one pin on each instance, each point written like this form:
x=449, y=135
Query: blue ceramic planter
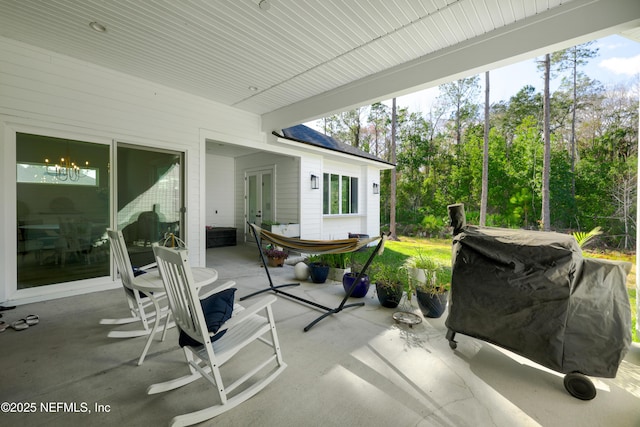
x=318, y=272
x=361, y=288
x=432, y=306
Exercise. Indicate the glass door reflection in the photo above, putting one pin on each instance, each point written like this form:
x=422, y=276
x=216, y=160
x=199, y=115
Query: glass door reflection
x=62, y=191
x=149, y=198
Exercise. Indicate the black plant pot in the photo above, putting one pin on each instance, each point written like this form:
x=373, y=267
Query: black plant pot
x=432, y=305
x=318, y=272
x=389, y=296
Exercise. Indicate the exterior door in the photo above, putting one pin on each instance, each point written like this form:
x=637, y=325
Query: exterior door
x=62, y=189
x=65, y=189
x=149, y=199
x=259, y=197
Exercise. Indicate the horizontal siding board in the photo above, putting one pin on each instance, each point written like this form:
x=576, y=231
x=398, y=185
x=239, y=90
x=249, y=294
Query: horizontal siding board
x=110, y=86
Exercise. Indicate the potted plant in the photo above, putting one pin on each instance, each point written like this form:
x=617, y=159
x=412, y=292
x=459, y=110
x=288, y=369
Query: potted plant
x=390, y=284
x=275, y=256
x=349, y=278
x=266, y=224
x=430, y=281
x=318, y=268
x=338, y=266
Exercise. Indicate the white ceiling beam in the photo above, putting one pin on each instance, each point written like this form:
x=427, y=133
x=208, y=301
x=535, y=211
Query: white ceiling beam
x=573, y=23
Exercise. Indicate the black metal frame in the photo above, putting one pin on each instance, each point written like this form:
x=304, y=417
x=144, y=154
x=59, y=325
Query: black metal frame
x=329, y=311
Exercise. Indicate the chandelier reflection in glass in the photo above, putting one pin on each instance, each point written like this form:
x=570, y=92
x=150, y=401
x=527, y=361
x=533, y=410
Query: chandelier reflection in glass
x=65, y=170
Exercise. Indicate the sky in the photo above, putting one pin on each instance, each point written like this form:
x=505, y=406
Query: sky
x=618, y=61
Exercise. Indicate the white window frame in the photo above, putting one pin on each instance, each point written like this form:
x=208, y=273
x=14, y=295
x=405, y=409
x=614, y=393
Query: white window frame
x=354, y=183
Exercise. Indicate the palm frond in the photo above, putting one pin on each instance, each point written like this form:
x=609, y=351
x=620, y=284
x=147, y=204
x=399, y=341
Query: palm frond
x=583, y=238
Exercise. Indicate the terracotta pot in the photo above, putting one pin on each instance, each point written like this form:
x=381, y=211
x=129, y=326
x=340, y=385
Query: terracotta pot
x=275, y=262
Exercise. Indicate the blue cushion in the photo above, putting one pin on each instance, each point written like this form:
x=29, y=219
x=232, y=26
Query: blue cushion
x=217, y=309
x=137, y=271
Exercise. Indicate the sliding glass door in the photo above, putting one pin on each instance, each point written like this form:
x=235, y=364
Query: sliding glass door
x=63, y=189
x=150, y=201
x=63, y=205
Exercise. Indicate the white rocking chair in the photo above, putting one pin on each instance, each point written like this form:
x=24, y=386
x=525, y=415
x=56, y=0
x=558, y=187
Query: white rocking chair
x=143, y=294
x=205, y=360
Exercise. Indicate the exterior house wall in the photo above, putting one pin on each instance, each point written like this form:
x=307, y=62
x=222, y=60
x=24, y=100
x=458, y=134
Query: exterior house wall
x=371, y=222
x=219, y=200
x=46, y=93
x=310, y=199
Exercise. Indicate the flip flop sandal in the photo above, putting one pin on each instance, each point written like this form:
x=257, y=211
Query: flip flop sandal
x=3, y=326
x=20, y=325
x=32, y=319
x=3, y=308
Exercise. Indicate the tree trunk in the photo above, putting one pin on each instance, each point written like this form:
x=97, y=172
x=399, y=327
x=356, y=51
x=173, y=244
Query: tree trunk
x=485, y=156
x=546, y=164
x=573, y=124
x=392, y=201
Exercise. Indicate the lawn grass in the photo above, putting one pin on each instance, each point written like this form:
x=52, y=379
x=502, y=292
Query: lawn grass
x=396, y=252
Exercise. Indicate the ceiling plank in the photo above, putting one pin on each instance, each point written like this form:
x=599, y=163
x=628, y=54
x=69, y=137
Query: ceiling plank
x=572, y=23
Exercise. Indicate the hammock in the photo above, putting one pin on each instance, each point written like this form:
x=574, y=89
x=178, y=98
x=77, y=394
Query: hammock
x=340, y=246
x=314, y=247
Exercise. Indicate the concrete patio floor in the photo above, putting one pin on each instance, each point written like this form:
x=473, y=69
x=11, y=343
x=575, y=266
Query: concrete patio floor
x=356, y=368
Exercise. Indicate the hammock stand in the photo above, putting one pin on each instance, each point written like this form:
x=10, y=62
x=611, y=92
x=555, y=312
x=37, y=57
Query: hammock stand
x=314, y=247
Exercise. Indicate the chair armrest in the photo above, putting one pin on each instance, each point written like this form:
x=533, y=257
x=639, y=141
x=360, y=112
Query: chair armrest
x=219, y=288
x=245, y=314
x=148, y=266
x=204, y=276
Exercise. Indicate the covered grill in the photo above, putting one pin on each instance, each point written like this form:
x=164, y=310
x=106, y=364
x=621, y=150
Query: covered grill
x=533, y=293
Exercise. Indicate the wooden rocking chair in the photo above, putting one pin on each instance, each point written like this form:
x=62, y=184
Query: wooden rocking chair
x=143, y=294
x=211, y=351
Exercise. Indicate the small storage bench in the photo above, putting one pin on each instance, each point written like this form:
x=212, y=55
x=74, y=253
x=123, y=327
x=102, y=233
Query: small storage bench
x=221, y=236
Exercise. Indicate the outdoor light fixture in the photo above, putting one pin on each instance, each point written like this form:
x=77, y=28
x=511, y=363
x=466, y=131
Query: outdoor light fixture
x=315, y=182
x=376, y=188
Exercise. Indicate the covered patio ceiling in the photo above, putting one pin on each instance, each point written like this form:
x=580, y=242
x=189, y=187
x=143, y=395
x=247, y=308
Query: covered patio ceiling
x=292, y=61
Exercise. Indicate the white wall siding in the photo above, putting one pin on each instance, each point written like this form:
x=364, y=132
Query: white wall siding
x=287, y=185
x=310, y=200
x=372, y=220
x=220, y=185
x=339, y=227
x=44, y=90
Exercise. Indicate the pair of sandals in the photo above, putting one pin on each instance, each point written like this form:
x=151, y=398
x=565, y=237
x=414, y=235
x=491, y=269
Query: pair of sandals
x=21, y=324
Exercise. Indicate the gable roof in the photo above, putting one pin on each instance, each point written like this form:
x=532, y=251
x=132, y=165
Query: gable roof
x=306, y=135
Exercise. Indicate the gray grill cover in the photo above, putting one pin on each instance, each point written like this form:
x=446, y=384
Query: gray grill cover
x=534, y=294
